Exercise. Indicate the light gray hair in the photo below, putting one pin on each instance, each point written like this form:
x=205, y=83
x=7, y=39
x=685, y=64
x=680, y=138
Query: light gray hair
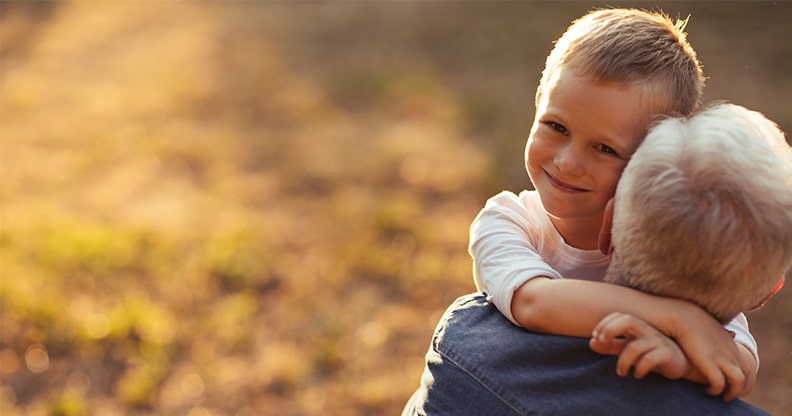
x=703, y=211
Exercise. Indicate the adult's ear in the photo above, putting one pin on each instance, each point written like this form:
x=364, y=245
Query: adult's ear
x=604, y=239
x=775, y=290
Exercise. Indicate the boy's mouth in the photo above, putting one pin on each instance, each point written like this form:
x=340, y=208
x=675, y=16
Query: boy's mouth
x=563, y=186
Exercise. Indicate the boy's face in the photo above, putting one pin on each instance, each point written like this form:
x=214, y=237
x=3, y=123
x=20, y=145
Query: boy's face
x=581, y=140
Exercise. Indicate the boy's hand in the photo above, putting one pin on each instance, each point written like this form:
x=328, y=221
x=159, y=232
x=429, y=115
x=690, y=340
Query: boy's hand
x=639, y=346
x=713, y=353
x=712, y=356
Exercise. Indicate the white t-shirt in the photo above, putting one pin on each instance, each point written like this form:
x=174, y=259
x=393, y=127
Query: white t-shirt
x=513, y=241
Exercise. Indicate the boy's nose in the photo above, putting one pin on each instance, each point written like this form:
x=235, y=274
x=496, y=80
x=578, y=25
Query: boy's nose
x=569, y=160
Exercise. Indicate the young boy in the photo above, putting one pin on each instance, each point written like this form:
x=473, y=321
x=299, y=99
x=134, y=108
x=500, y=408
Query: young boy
x=702, y=213
x=608, y=77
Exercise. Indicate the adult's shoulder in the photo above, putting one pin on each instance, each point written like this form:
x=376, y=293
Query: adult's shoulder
x=548, y=374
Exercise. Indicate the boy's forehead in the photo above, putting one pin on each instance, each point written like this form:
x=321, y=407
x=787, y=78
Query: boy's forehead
x=656, y=97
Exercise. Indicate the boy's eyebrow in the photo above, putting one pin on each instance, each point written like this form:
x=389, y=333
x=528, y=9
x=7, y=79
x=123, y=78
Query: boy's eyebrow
x=547, y=113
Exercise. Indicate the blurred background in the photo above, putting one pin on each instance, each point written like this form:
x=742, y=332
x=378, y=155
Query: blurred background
x=252, y=208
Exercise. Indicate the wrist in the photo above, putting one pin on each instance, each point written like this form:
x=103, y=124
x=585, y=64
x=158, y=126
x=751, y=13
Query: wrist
x=676, y=316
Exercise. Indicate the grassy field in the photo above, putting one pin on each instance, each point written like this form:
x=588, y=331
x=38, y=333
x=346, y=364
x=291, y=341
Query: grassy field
x=254, y=208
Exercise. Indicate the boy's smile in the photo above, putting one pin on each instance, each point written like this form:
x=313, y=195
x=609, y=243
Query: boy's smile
x=583, y=135
x=561, y=186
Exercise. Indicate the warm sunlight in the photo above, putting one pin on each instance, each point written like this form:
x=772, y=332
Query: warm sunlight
x=252, y=208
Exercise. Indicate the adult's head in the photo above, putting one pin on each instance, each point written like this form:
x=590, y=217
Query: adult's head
x=703, y=211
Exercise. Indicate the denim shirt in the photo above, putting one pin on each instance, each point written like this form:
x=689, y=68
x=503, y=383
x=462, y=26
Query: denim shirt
x=479, y=363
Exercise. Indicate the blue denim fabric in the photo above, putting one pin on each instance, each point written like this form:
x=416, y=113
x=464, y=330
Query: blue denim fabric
x=479, y=363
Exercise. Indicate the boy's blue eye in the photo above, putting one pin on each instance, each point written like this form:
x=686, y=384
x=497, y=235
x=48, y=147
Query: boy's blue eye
x=607, y=149
x=558, y=127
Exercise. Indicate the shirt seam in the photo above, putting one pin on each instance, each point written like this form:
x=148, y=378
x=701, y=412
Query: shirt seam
x=479, y=381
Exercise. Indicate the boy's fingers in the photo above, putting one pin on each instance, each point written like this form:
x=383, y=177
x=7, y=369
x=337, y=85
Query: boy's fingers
x=604, y=324
x=727, y=380
x=615, y=325
x=736, y=382
x=649, y=356
x=647, y=363
x=613, y=346
x=716, y=381
x=630, y=356
x=730, y=394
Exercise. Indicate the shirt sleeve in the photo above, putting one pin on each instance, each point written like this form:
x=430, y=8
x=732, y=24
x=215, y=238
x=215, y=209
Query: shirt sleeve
x=742, y=336
x=503, y=244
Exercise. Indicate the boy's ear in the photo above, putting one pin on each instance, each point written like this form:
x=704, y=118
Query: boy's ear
x=775, y=290
x=604, y=240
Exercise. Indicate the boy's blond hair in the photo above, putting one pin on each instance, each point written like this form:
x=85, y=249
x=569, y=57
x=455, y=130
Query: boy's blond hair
x=703, y=211
x=631, y=47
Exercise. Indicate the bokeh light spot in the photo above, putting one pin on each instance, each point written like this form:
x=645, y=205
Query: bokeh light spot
x=192, y=385
x=97, y=325
x=37, y=359
x=373, y=334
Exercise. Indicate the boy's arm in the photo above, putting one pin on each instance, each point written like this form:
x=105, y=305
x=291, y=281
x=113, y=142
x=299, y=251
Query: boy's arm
x=574, y=307
x=503, y=249
x=642, y=347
